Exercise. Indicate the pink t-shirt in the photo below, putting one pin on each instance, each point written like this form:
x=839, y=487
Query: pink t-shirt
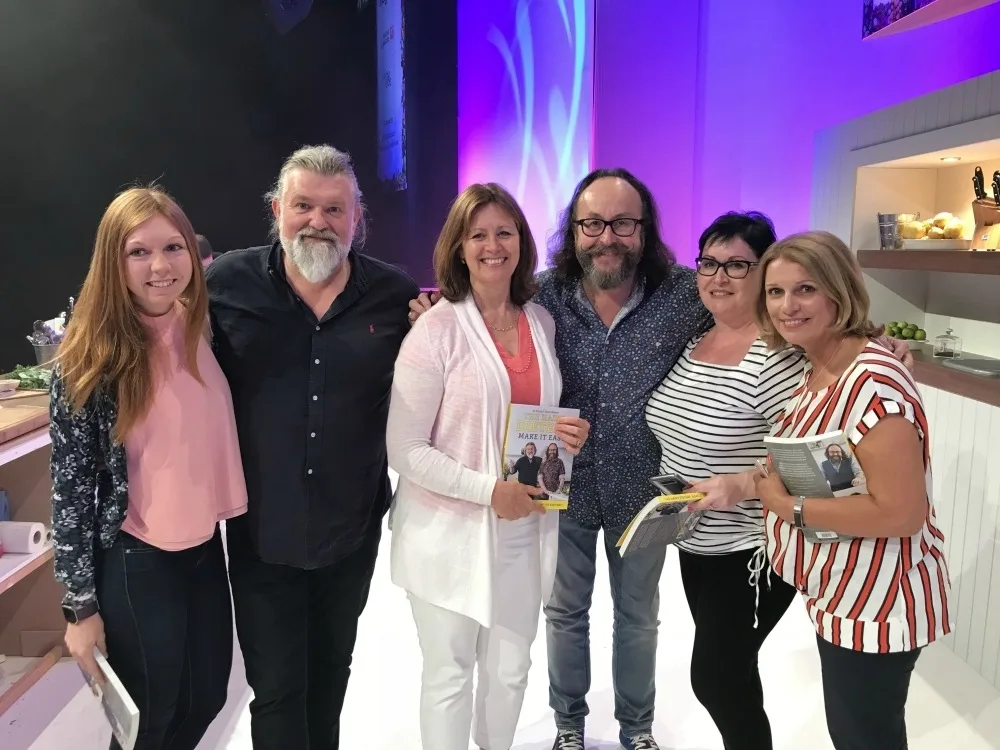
x=185, y=473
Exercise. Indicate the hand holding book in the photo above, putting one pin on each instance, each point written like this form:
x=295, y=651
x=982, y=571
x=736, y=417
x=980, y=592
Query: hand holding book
x=513, y=500
x=773, y=495
x=723, y=491
x=573, y=432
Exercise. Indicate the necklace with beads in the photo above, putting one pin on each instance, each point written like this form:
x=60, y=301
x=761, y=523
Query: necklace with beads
x=511, y=327
x=505, y=356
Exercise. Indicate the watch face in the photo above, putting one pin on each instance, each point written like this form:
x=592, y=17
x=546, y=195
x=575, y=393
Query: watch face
x=70, y=615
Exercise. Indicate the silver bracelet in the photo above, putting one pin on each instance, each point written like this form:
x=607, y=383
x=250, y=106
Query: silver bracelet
x=797, y=513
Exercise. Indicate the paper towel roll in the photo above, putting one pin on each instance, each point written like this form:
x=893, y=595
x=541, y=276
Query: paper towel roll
x=21, y=538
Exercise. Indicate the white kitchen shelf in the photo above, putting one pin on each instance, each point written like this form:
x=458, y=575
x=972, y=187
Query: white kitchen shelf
x=23, y=445
x=17, y=567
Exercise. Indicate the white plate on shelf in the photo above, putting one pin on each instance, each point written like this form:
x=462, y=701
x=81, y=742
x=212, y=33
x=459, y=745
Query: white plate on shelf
x=937, y=244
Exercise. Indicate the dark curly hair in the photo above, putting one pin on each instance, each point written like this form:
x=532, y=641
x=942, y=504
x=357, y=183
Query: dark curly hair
x=656, y=256
x=753, y=227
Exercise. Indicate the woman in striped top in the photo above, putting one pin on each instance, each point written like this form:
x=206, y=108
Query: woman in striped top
x=710, y=415
x=879, y=598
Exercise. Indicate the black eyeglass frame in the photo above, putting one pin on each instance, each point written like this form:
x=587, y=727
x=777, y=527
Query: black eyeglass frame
x=636, y=223
x=726, y=266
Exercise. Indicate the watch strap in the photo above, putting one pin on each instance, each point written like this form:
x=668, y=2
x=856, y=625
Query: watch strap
x=75, y=615
x=797, y=520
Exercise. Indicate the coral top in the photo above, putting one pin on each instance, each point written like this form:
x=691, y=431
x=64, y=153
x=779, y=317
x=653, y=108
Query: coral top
x=185, y=473
x=522, y=369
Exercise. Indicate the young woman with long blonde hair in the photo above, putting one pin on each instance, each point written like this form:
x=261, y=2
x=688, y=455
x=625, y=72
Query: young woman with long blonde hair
x=145, y=463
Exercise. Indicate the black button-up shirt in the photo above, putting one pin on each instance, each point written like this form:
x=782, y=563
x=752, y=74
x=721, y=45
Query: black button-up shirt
x=608, y=375
x=311, y=399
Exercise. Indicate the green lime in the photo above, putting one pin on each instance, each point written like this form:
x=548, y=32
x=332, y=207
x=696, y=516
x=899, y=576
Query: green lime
x=920, y=334
x=907, y=333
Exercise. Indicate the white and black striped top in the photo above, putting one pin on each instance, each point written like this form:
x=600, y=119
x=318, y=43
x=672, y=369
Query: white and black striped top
x=712, y=419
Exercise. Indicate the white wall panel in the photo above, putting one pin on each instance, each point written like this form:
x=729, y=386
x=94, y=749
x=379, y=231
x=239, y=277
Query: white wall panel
x=965, y=444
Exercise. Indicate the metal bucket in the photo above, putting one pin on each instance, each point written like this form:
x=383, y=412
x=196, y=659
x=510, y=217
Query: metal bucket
x=888, y=232
x=45, y=353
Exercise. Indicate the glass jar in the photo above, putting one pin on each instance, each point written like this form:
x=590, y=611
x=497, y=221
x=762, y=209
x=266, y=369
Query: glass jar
x=948, y=345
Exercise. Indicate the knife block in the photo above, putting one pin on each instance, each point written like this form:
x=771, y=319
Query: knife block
x=987, y=233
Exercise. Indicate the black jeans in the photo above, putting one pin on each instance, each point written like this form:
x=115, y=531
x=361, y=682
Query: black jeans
x=724, y=673
x=168, y=623
x=297, y=630
x=865, y=696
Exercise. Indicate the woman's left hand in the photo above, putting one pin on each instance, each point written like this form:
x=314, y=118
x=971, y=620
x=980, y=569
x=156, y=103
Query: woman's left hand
x=573, y=431
x=772, y=493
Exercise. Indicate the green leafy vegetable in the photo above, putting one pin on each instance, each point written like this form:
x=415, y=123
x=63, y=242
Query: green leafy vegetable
x=30, y=378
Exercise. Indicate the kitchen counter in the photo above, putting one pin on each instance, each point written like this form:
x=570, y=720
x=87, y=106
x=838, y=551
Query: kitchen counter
x=31, y=623
x=929, y=371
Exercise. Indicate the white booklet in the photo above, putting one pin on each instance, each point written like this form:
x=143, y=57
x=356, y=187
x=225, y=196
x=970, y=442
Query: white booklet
x=818, y=466
x=119, y=708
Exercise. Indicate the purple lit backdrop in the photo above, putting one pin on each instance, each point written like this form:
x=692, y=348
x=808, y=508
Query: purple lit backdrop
x=724, y=115
x=525, y=101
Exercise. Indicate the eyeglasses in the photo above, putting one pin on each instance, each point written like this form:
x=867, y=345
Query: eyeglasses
x=735, y=269
x=621, y=227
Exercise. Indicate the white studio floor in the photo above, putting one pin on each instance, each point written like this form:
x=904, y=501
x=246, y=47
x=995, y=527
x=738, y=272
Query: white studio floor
x=950, y=706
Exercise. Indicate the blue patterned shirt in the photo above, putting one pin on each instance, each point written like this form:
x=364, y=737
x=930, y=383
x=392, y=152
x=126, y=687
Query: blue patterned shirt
x=608, y=374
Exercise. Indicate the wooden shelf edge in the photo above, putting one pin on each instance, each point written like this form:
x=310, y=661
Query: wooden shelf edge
x=27, y=680
x=930, y=373
x=23, y=567
x=23, y=445
x=978, y=262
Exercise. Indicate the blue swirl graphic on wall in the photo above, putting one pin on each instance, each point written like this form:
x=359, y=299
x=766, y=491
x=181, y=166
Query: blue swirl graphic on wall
x=525, y=100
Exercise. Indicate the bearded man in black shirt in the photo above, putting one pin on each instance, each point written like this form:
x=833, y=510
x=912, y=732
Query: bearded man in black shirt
x=307, y=330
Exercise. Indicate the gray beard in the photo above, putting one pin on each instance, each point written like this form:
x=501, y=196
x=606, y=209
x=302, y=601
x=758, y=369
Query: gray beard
x=607, y=279
x=317, y=259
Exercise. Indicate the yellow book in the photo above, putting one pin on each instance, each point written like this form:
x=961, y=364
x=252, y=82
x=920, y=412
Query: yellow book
x=533, y=455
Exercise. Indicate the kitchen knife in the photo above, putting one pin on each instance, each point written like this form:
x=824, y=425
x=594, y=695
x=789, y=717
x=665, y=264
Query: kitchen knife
x=979, y=184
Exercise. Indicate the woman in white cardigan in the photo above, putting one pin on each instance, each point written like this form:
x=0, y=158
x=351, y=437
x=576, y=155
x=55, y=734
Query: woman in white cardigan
x=475, y=554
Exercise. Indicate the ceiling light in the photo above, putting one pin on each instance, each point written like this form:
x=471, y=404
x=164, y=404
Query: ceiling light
x=951, y=158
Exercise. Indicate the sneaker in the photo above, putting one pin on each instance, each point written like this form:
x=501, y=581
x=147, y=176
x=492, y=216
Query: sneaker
x=643, y=741
x=569, y=739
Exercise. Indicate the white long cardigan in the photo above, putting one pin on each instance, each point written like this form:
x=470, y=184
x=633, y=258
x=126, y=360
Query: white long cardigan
x=445, y=435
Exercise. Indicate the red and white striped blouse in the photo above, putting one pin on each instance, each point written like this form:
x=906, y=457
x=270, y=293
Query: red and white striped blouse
x=865, y=594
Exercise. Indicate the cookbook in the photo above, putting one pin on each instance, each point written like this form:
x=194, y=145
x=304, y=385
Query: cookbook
x=664, y=520
x=533, y=454
x=119, y=708
x=817, y=466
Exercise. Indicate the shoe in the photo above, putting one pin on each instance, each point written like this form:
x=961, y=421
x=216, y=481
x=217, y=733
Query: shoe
x=569, y=739
x=643, y=741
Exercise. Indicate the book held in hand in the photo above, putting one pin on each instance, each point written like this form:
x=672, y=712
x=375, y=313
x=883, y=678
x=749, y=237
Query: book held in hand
x=119, y=708
x=817, y=466
x=665, y=519
x=533, y=455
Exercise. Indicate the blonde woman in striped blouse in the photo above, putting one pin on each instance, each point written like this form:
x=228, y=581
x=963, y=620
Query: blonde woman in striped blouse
x=881, y=595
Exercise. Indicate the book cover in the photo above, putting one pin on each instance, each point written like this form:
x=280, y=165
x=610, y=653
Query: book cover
x=664, y=520
x=534, y=455
x=119, y=708
x=818, y=466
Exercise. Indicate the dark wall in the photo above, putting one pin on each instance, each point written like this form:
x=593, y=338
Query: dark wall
x=205, y=98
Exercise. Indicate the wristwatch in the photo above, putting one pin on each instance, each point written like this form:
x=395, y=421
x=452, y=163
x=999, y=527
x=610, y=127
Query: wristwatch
x=797, y=513
x=76, y=615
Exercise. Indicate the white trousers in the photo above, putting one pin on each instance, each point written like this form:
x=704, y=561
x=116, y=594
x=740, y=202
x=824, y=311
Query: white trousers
x=452, y=645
